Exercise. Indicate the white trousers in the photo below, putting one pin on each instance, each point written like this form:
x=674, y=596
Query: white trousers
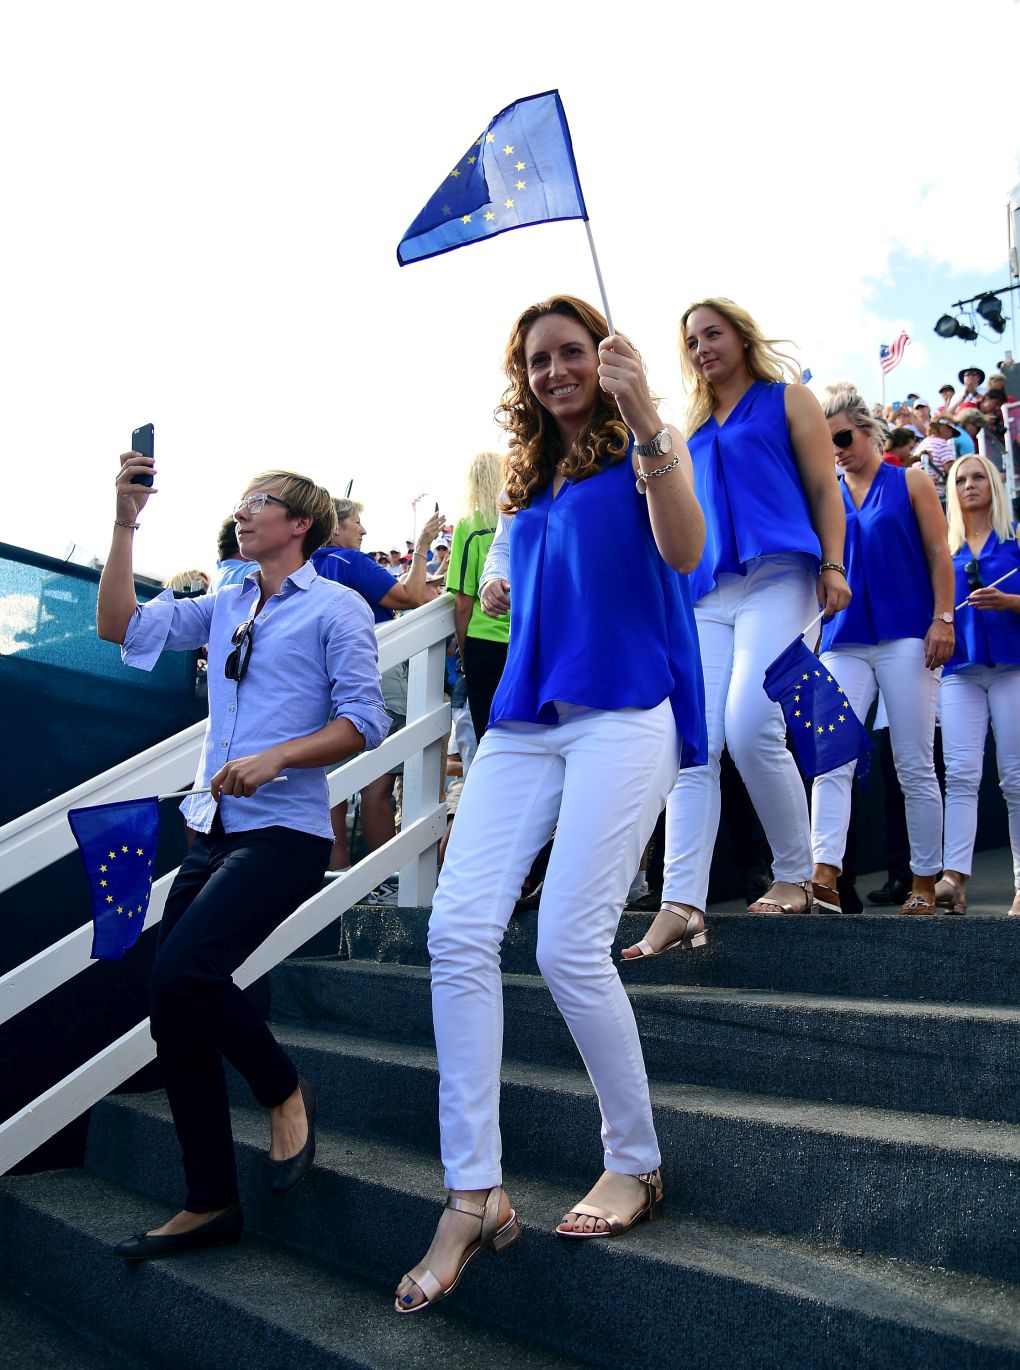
x=968, y=697
x=464, y=739
x=743, y=625
x=911, y=691
x=601, y=778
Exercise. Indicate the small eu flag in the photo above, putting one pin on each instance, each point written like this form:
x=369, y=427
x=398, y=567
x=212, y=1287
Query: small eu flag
x=520, y=171
x=825, y=731
x=118, y=849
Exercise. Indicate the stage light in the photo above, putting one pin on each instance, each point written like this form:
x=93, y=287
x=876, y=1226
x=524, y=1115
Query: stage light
x=948, y=327
x=990, y=308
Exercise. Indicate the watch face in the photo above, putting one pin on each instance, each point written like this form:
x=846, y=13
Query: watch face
x=665, y=442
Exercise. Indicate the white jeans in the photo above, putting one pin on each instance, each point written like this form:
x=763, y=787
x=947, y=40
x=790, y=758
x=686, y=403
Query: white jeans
x=601, y=778
x=968, y=697
x=743, y=625
x=911, y=691
x=464, y=738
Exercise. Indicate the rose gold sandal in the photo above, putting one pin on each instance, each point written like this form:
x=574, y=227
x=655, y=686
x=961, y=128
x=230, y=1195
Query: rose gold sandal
x=615, y=1225
x=687, y=941
x=776, y=907
x=952, y=898
x=492, y=1237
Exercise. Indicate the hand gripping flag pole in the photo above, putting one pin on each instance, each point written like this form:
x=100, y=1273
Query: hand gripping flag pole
x=967, y=604
x=519, y=171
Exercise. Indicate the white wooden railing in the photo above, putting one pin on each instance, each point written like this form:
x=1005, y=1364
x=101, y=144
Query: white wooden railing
x=37, y=839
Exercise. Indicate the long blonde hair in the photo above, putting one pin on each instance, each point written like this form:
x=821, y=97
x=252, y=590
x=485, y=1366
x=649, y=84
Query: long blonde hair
x=764, y=360
x=535, y=445
x=1002, y=524
x=482, y=488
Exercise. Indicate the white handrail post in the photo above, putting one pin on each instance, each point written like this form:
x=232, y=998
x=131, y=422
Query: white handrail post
x=425, y=678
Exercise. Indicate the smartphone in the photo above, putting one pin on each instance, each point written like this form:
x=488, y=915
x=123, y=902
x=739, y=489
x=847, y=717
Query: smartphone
x=143, y=442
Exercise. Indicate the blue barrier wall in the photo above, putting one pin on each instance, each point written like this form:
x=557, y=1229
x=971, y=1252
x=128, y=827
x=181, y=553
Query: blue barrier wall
x=69, y=708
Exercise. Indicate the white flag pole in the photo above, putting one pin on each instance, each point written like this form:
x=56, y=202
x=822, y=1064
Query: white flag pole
x=598, y=273
x=813, y=624
x=183, y=794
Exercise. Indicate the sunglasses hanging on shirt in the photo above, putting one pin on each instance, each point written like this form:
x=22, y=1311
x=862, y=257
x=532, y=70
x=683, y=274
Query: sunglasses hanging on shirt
x=236, y=664
x=971, y=571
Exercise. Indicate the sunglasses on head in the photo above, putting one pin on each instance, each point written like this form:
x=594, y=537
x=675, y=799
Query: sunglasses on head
x=974, y=581
x=843, y=439
x=236, y=664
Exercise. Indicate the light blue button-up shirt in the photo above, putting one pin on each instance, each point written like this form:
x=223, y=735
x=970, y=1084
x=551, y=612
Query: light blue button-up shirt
x=313, y=660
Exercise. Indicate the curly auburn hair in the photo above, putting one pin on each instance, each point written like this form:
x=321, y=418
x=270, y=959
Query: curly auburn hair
x=535, y=443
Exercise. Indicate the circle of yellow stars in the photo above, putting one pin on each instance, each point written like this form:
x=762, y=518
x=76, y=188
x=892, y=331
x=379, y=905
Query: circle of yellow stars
x=519, y=184
x=104, y=869
x=807, y=722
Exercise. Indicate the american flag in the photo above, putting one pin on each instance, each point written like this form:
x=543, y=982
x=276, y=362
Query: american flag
x=892, y=355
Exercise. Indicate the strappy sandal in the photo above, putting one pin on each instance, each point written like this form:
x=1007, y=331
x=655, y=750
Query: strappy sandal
x=952, y=898
x=687, y=941
x=776, y=907
x=917, y=904
x=490, y=1237
x=1014, y=909
x=615, y=1225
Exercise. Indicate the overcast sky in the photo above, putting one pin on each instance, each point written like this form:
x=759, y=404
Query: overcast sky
x=203, y=202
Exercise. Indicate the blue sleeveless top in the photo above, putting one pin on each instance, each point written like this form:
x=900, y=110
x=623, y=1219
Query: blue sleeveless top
x=597, y=618
x=986, y=637
x=748, y=485
x=886, y=567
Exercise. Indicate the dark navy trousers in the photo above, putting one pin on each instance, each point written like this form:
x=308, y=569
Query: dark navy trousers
x=231, y=892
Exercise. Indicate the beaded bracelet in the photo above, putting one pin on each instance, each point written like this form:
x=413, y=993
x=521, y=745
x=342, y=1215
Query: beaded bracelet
x=644, y=477
x=134, y=526
x=833, y=566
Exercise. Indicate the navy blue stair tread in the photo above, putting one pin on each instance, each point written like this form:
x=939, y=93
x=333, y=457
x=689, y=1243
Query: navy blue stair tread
x=708, y=995
x=32, y=1339
x=255, y=1303
x=992, y=1139
x=921, y=1186
x=953, y=1059
x=373, y=1176
x=975, y=959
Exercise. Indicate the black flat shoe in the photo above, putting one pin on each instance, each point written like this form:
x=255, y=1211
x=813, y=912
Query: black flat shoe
x=223, y=1230
x=284, y=1175
x=892, y=892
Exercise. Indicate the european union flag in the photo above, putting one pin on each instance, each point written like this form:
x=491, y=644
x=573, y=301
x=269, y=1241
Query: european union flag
x=520, y=171
x=118, y=848
x=826, y=732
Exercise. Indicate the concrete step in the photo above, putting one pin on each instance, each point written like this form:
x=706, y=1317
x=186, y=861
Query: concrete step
x=681, y=1291
x=943, y=1191
x=32, y=1339
x=926, y=1058
x=973, y=960
x=253, y=1305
